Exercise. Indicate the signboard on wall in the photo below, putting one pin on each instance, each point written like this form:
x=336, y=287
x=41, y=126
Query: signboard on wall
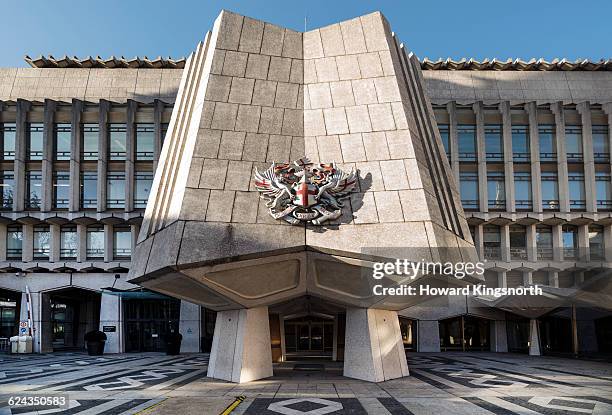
x=109, y=329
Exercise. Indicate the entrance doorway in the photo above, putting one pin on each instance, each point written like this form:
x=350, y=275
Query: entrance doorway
x=148, y=321
x=517, y=331
x=465, y=333
x=408, y=328
x=10, y=304
x=310, y=337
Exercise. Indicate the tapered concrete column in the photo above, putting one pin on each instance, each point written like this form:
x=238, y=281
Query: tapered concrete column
x=504, y=231
x=453, y=138
x=21, y=125
x=590, y=191
x=428, y=337
x=27, y=247
x=130, y=154
x=534, y=338
x=584, y=253
x=108, y=243
x=76, y=142
x=534, y=137
x=54, y=243
x=557, y=242
x=553, y=279
x=2, y=241
x=557, y=109
x=502, y=281
x=111, y=314
x=102, y=154
x=241, y=349
x=532, y=254
x=189, y=327
x=607, y=232
x=81, y=231
x=479, y=240
x=374, y=350
x=527, y=278
x=504, y=109
x=499, y=336
x=483, y=198
x=158, y=110
x=47, y=157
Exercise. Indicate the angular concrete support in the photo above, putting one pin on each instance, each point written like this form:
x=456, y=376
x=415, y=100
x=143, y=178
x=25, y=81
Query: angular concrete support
x=374, y=348
x=111, y=314
x=241, y=349
x=534, y=338
x=499, y=336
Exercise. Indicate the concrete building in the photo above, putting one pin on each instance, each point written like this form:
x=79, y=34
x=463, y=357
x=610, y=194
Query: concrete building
x=525, y=185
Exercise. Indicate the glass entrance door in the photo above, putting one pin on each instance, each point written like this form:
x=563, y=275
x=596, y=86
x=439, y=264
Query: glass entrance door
x=147, y=321
x=309, y=336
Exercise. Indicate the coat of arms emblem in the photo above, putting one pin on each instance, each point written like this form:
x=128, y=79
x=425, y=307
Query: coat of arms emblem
x=305, y=192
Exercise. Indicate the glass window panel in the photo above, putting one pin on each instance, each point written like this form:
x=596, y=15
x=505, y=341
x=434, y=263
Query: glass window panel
x=493, y=142
x=548, y=148
x=95, y=242
x=550, y=190
x=469, y=190
x=522, y=189
x=42, y=244
x=63, y=137
x=89, y=190
x=90, y=141
x=142, y=188
x=34, y=189
x=68, y=242
x=35, y=141
x=117, y=141
x=145, y=141
x=8, y=133
x=444, y=135
x=467, y=142
x=570, y=237
x=122, y=243
x=14, y=242
x=520, y=143
x=115, y=183
x=601, y=144
x=573, y=142
x=7, y=181
x=603, y=190
x=496, y=190
x=576, y=190
x=61, y=189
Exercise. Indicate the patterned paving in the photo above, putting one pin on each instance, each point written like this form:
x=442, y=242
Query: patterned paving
x=440, y=383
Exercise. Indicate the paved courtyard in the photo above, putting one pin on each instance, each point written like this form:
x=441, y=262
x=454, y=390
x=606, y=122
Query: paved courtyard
x=440, y=383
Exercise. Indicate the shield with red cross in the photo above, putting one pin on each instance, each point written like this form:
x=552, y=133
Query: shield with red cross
x=305, y=194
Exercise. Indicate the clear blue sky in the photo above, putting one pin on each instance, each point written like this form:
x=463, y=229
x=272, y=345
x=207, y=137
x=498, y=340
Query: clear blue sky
x=443, y=28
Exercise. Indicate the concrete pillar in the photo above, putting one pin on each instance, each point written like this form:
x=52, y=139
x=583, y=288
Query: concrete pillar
x=553, y=279
x=557, y=242
x=111, y=315
x=189, y=327
x=27, y=246
x=453, y=138
x=47, y=158
x=584, y=253
x=536, y=173
x=584, y=109
x=241, y=349
x=557, y=109
x=575, y=345
x=502, y=281
x=21, y=137
x=2, y=241
x=158, y=110
x=607, y=108
x=130, y=154
x=527, y=278
x=81, y=231
x=532, y=249
x=55, y=243
x=428, y=336
x=479, y=239
x=499, y=336
x=374, y=348
x=607, y=232
x=483, y=198
x=102, y=154
x=504, y=231
x=504, y=108
x=108, y=243
x=76, y=142
x=134, y=230
x=534, y=338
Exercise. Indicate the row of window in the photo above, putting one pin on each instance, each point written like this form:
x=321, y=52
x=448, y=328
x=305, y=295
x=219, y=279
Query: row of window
x=115, y=189
x=62, y=138
x=492, y=242
x=521, y=143
x=41, y=244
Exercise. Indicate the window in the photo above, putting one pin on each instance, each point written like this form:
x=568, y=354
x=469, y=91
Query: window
x=90, y=141
x=518, y=243
x=145, y=141
x=496, y=190
x=604, y=193
x=596, y=242
x=576, y=190
x=68, y=242
x=7, y=181
x=601, y=144
x=143, y=180
x=61, y=189
x=14, y=242
x=89, y=190
x=520, y=143
x=548, y=146
x=573, y=143
x=63, y=138
x=544, y=243
x=468, y=182
x=122, y=243
x=7, y=134
x=35, y=142
x=491, y=237
x=164, y=131
x=550, y=190
x=42, y=245
x=115, y=190
x=467, y=142
x=570, y=242
x=117, y=141
x=95, y=242
x=33, y=189
x=522, y=189
x=493, y=143
x=445, y=136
